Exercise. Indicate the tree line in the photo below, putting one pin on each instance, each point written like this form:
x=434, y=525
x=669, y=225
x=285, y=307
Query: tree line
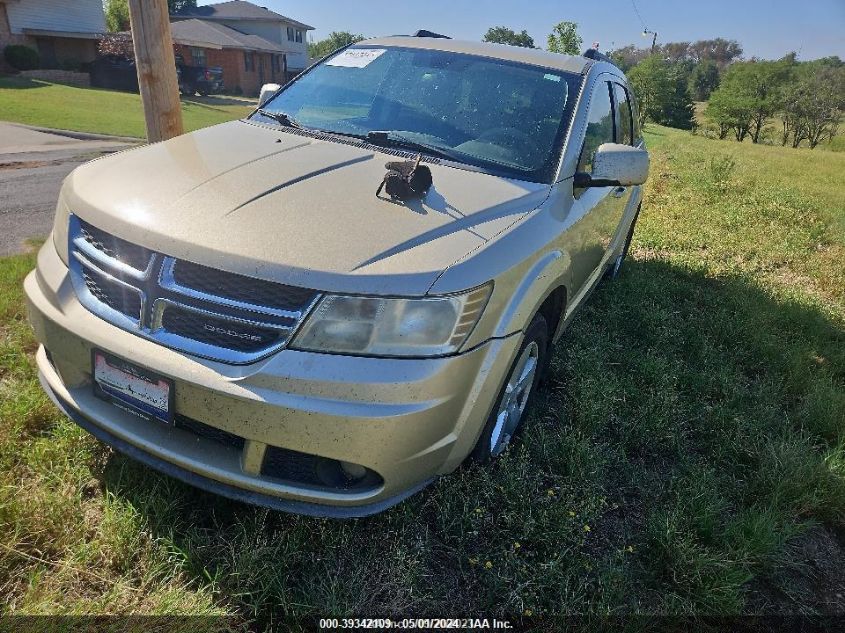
x=784, y=101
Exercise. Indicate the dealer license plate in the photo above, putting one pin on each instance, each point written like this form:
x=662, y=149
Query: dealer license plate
x=132, y=388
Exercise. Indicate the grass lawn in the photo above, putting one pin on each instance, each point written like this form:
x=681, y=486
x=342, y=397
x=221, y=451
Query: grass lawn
x=101, y=111
x=687, y=458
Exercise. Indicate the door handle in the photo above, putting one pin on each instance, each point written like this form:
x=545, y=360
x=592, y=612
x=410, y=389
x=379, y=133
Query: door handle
x=619, y=192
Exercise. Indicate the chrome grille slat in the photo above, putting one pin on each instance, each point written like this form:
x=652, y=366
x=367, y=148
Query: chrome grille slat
x=257, y=321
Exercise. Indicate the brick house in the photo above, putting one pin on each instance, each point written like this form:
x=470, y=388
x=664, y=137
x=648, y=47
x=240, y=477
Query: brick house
x=62, y=31
x=253, y=44
x=248, y=61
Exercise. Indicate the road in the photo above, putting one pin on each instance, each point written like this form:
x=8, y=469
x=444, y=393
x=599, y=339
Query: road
x=33, y=165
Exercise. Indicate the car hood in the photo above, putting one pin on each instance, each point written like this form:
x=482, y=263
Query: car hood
x=259, y=201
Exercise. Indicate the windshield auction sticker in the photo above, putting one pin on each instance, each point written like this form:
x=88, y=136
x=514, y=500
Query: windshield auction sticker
x=356, y=57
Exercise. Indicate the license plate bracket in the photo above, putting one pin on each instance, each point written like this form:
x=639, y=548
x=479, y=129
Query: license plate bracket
x=132, y=388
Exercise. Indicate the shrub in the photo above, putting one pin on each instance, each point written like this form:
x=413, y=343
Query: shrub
x=21, y=57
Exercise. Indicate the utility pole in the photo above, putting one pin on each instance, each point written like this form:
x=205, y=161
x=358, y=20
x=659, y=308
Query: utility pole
x=646, y=33
x=156, y=64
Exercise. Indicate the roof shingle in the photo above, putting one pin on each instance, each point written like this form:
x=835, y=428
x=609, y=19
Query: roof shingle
x=237, y=10
x=195, y=32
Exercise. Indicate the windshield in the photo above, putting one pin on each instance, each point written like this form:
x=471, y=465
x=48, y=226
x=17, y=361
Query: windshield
x=503, y=117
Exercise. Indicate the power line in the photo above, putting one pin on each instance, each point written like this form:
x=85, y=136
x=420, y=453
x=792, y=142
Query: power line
x=637, y=11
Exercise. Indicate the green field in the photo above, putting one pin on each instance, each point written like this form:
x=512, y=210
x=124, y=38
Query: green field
x=64, y=107
x=686, y=458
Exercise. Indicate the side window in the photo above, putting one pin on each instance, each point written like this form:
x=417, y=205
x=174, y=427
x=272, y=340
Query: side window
x=599, y=125
x=624, y=118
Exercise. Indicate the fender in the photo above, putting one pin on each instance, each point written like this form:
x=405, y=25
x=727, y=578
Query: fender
x=548, y=273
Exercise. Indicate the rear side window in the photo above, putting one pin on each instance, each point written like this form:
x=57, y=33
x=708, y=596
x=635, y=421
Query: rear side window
x=638, y=133
x=624, y=116
x=599, y=125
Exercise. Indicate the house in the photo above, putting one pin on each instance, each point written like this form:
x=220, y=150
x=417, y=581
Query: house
x=253, y=44
x=65, y=32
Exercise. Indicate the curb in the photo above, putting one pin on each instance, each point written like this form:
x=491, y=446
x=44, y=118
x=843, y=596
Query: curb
x=81, y=136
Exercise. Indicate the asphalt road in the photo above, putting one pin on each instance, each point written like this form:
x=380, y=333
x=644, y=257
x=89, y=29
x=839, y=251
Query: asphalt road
x=33, y=165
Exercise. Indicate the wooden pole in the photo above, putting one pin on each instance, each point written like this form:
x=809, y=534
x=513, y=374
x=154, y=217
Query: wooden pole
x=156, y=64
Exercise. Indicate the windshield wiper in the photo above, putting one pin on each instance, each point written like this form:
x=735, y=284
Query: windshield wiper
x=281, y=118
x=393, y=139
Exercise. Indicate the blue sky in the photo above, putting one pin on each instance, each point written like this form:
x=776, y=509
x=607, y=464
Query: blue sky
x=766, y=28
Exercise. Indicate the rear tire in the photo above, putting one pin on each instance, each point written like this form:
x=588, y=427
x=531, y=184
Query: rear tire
x=616, y=267
x=517, y=395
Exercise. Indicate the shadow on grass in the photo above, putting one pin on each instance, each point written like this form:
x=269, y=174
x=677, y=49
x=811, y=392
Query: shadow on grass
x=220, y=101
x=688, y=437
x=12, y=82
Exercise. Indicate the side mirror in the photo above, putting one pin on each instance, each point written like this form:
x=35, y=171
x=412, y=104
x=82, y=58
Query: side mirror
x=267, y=91
x=616, y=165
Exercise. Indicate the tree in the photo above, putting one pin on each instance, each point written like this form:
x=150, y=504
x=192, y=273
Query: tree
x=629, y=56
x=564, y=39
x=721, y=51
x=662, y=96
x=504, y=35
x=730, y=110
x=117, y=15
x=335, y=40
x=749, y=95
x=703, y=80
x=813, y=104
x=176, y=6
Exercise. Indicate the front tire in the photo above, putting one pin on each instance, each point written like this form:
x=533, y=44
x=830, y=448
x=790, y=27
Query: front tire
x=517, y=395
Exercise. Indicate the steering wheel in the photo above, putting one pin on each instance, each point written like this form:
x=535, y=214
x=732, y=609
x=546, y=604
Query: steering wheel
x=511, y=136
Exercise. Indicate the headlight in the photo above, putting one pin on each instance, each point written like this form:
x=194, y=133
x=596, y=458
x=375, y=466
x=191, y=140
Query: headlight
x=375, y=326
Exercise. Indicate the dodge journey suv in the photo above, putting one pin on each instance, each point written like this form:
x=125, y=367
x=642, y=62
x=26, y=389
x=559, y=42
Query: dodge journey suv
x=244, y=309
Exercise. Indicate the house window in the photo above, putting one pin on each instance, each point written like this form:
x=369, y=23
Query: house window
x=291, y=34
x=198, y=57
x=299, y=37
x=249, y=61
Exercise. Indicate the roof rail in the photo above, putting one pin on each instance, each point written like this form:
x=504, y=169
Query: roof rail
x=595, y=55
x=424, y=33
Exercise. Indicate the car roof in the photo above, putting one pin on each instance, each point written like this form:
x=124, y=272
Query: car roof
x=533, y=56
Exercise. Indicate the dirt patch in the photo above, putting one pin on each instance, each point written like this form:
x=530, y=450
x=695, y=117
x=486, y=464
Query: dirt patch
x=25, y=164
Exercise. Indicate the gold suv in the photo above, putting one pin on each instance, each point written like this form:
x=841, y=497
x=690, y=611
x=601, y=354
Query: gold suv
x=239, y=308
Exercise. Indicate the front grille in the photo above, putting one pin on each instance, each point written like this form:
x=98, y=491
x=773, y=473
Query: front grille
x=209, y=432
x=132, y=255
x=193, y=308
x=241, y=337
x=113, y=294
x=240, y=287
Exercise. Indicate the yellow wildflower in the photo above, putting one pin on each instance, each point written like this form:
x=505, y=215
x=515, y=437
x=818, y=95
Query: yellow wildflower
x=488, y=565
x=550, y=492
x=529, y=612
x=516, y=545
x=586, y=528
x=473, y=561
x=571, y=513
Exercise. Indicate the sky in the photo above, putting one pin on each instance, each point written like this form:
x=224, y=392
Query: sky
x=767, y=29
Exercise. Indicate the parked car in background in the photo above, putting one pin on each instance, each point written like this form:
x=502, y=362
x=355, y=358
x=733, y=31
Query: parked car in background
x=117, y=72
x=114, y=72
x=247, y=309
x=204, y=80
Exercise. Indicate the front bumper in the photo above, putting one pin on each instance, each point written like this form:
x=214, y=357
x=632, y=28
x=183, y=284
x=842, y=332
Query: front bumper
x=407, y=420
